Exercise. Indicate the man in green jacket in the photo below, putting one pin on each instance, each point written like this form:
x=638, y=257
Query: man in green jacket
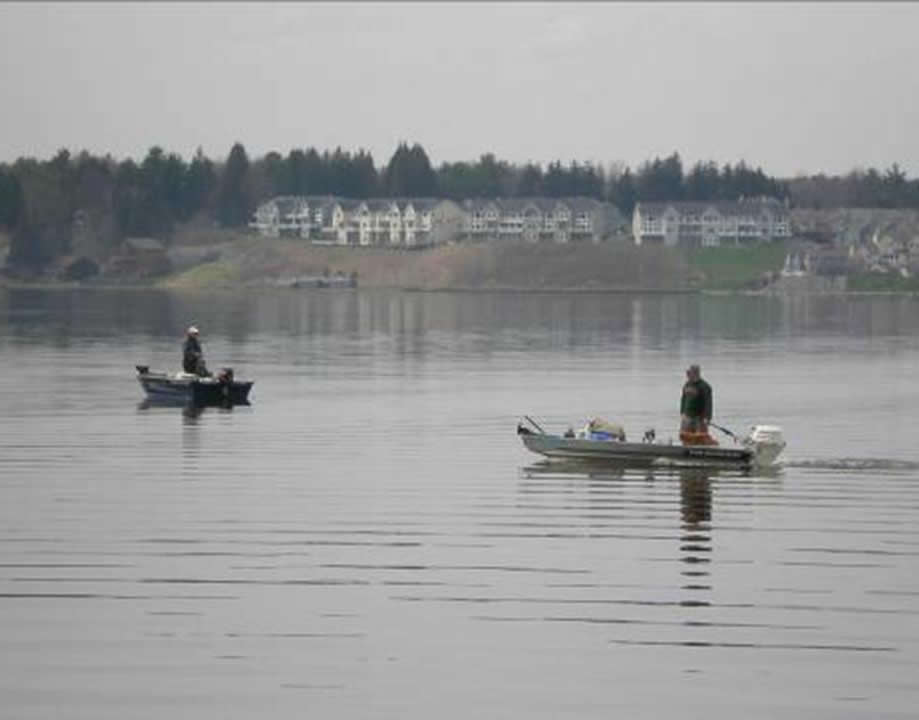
x=695, y=403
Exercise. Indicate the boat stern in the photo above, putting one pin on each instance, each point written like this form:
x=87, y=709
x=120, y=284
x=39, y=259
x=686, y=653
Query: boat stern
x=767, y=442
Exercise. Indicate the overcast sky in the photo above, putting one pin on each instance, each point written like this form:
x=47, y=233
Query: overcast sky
x=811, y=87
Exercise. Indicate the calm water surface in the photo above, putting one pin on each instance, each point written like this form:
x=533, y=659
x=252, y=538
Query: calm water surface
x=369, y=539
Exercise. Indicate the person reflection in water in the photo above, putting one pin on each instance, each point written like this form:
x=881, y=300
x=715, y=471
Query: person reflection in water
x=192, y=355
x=696, y=409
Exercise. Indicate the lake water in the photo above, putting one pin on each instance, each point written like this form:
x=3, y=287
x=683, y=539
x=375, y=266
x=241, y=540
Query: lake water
x=369, y=539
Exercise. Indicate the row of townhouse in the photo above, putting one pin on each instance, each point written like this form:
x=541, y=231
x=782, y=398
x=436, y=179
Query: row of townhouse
x=330, y=220
x=540, y=219
x=418, y=222
x=714, y=224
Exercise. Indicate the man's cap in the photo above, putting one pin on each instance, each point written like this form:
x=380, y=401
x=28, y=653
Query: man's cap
x=192, y=330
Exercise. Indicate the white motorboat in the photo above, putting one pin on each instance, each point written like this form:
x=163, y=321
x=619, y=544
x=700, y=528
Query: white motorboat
x=760, y=448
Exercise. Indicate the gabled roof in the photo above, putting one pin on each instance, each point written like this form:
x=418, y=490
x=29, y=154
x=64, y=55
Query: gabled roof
x=287, y=204
x=512, y=205
x=739, y=208
x=320, y=201
x=381, y=204
x=420, y=204
x=472, y=204
x=347, y=204
x=581, y=204
x=542, y=203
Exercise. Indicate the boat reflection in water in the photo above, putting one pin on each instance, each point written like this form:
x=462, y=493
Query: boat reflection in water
x=696, y=531
x=190, y=411
x=626, y=503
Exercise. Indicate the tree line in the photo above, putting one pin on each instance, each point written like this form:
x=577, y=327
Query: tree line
x=43, y=203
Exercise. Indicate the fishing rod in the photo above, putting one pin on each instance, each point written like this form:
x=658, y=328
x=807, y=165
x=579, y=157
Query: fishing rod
x=534, y=424
x=724, y=430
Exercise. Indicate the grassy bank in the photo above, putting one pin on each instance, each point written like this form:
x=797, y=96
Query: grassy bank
x=886, y=282
x=258, y=261
x=730, y=268
x=248, y=261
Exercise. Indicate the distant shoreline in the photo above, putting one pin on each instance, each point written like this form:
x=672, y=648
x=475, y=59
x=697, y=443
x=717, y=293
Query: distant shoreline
x=247, y=264
x=507, y=290
x=504, y=290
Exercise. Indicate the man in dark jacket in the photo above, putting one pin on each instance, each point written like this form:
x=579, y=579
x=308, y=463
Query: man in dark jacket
x=192, y=355
x=695, y=403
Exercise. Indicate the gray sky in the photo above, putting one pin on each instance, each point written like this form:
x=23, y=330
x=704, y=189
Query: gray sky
x=791, y=87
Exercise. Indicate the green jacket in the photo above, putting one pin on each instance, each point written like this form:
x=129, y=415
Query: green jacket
x=696, y=400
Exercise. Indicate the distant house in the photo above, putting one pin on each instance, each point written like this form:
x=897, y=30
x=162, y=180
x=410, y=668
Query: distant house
x=424, y=221
x=714, y=224
x=807, y=258
x=283, y=216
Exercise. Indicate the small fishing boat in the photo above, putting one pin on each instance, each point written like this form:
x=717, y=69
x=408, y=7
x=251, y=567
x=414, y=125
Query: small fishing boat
x=181, y=387
x=760, y=448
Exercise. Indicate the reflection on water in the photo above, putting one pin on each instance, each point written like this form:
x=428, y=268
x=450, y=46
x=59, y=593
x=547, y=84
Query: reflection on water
x=696, y=513
x=573, y=320
x=369, y=538
x=189, y=411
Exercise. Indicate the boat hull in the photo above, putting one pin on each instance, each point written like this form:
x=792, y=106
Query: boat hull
x=645, y=453
x=200, y=391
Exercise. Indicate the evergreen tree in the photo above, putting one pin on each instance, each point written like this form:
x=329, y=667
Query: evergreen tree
x=45, y=218
x=234, y=205
x=295, y=173
x=457, y=181
x=10, y=199
x=702, y=182
x=315, y=177
x=172, y=185
x=129, y=200
x=494, y=178
x=338, y=172
x=661, y=180
x=409, y=173
x=529, y=181
x=555, y=181
x=93, y=183
x=894, y=188
x=277, y=181
x=200, y=181
x=587, y=180
x=156, y=193
x=623, y=193
x=365, y=181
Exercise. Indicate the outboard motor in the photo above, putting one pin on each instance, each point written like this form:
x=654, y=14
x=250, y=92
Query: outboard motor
x=766, y=442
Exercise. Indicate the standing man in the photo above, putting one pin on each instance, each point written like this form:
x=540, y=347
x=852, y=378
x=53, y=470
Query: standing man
x=192, y=355
x=695, y=405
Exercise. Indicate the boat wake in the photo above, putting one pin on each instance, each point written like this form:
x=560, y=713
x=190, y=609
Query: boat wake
x=854, y=464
